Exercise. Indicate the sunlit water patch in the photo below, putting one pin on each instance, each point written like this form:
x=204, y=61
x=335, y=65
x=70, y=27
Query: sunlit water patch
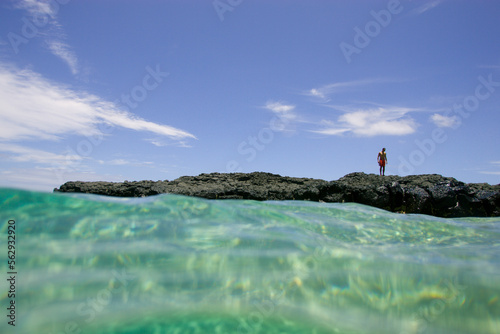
x=173, y=264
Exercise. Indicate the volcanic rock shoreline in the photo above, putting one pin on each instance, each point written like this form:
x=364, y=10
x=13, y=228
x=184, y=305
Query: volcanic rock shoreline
x=429, y=194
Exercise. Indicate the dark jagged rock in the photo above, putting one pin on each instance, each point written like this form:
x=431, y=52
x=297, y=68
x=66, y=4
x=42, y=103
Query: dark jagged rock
x=430, y=194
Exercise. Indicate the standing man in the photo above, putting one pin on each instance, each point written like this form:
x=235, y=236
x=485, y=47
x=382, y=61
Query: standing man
x=382, y=161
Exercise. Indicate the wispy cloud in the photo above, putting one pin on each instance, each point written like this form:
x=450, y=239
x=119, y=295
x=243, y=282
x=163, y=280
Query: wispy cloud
x=161, y=142
x=495, y=67
x=48, y=167
x=125, y=162
x=496, y=165
x=370, y=121
x=281, y=109
x=42, y=178
x=443, y=121
x=63, y=51
x=37, y=7
x=490, y=173
x=425, y=7
x=288, y=118
x=54, y=35
x=21, y=153
x=33, y=108
x=323, y=93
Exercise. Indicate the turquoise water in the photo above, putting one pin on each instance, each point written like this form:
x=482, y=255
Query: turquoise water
x=174, y=264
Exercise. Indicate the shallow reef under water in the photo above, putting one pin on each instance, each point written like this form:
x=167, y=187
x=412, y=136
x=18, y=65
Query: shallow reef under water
x=176, y=264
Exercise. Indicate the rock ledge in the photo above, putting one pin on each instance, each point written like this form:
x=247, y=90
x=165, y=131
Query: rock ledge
x=430, y=194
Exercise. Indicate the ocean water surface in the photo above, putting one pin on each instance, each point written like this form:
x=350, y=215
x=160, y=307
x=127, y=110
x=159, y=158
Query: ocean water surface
x=174, y=264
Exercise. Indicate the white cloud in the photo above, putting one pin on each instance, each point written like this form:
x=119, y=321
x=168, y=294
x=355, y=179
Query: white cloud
x=425, y=7
x=160, y=142
x=130, y=121
x=495, y=164
x=63, y=51
x=48, y=178
x=37, y=7
x=279, y=107
x=442, y=121
x=34, y=108
x=25, y=154
x=491, y=173
x=282, y=110
x=317, y=93
x=46, y=11
x=125, y=162
x=287, y=119
x=116, y=162
x=322, y=93
x=371, y=122
x=330, y=129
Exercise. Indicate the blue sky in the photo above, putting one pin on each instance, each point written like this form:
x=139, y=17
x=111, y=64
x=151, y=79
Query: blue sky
x=133, y=90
